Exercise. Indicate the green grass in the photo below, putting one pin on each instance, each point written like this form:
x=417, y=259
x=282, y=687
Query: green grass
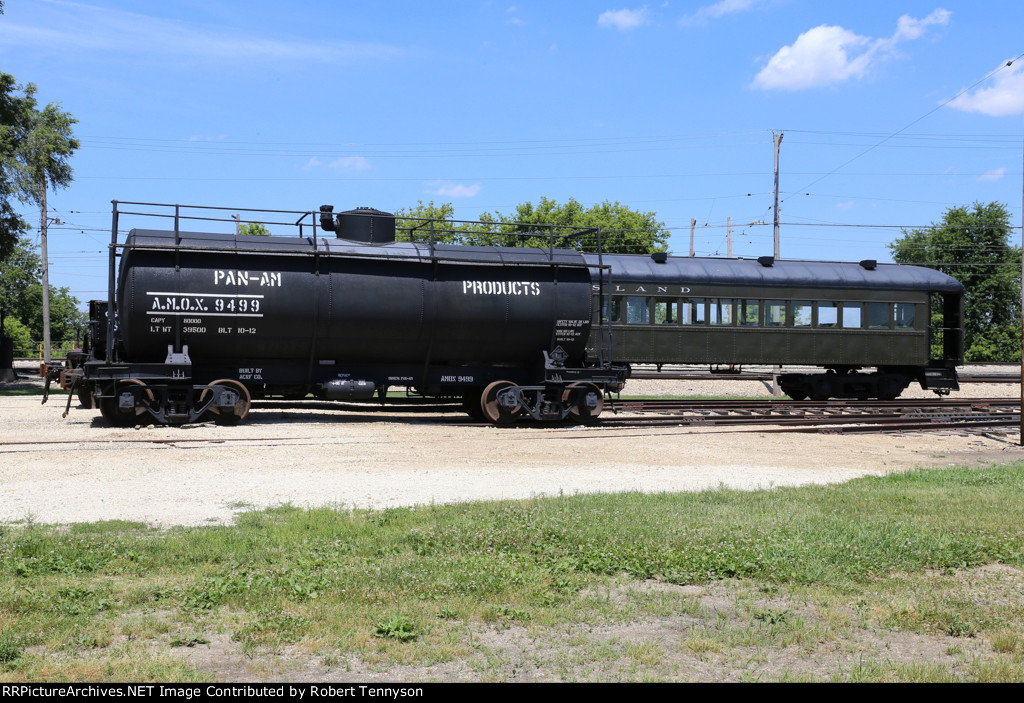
x=410, y=586
x=30, y=391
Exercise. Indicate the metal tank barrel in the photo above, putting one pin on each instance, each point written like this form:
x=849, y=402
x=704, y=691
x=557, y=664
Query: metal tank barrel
x=227, y=297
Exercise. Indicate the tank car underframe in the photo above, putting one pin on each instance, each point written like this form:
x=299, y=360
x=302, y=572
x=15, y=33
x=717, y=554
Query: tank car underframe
x=131, y=394
x=143, y=393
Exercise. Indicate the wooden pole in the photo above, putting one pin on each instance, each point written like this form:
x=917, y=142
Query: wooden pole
x=693, y=224
x=777, y=138
x=46, y=273
x=728, y=236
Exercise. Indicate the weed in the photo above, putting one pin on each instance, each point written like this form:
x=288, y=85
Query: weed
x=188, y=640
x=1006, y=641
x=772, y=617
x=11, y=647
x=396, y=627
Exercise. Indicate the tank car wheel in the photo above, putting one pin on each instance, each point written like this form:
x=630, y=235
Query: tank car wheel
x=235, y=414
x=471, y=404
x=114, y=414
x=492, y=408
x=84, y=394
x=583, y=412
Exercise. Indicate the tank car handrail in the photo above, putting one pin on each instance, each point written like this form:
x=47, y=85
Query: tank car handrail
x=204, y=207
x=353, y=255
x=208, y=219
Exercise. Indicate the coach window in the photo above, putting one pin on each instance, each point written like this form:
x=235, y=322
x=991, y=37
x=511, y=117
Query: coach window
x=878, y=316
x=750, y=312
x=903, y=316
x=828, y=315
x=720, y=311
x=693, y=312
x=615, y=305
x=853, y=314
x=638, y=310
x=666, y=311
x=775, y=313
x=802, y=313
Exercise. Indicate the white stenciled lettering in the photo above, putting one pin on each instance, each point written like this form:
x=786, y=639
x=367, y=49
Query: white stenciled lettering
x=264, y=279
x=501, y=288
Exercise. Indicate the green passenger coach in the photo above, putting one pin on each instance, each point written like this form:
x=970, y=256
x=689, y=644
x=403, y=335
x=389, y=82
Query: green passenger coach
x=871, y=328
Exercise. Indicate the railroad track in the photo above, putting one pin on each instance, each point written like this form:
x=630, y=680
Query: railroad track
x=761, y=376
x=820, y=416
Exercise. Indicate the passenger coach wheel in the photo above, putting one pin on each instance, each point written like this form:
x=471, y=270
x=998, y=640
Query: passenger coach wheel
x=495, y=411
x=111, y=410
x=589, y=401
x=235, y=414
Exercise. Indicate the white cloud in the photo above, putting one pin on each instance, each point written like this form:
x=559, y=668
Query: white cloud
x=352, y=163
x=349, y=163
x=453, y=190
x=993, y=175
x=818, y=56
x=844, y=206
x=78, y=27
x=1004, y=97
x=831, y=54
x=623, y=20
x=719, y=9
x=910, y=28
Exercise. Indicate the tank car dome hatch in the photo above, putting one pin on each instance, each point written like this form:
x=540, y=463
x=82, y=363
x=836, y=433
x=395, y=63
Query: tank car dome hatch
x=364, y=224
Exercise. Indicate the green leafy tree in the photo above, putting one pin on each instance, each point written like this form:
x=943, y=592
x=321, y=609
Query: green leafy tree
x=44, y=145
x=14, y=110
x=18, y=272
x=22, y=300
x=972, y=245
x=418, y=223
x=622, y=230
x=254, y=229
x=21, y=336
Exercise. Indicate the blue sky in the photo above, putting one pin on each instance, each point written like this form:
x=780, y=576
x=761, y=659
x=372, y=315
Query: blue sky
x=665, y=107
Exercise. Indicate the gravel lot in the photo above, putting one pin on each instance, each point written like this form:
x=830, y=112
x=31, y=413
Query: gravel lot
x=78, y=469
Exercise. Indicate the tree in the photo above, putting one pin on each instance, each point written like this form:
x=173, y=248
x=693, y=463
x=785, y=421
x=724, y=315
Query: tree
x=622, y=230
x=18, y=272
x=415, y=224
x=45, y=143
x=254, y=229
x=972, y=245
x=13, y=114
x=21, y=297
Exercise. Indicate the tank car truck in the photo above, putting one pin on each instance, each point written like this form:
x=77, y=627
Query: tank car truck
x=198, y=323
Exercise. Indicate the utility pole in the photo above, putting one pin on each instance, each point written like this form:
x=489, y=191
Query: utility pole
x=728, y=235
x=46, y=274
x=693, y=223
x=777, y=139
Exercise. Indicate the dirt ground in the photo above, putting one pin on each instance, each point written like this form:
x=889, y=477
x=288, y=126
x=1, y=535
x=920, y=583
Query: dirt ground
x=58, y=470
x=55, y=470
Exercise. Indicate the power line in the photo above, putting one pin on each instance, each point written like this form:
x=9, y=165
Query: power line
x=911, y=124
